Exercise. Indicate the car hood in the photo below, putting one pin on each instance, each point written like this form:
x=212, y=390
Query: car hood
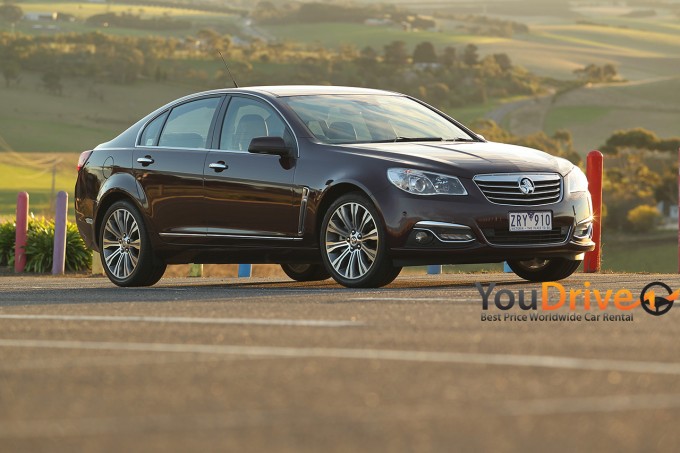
x=465, y=159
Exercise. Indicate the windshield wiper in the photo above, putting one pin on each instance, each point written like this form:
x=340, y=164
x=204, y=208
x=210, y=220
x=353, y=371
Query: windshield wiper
x=460, y=139
x=409, y=139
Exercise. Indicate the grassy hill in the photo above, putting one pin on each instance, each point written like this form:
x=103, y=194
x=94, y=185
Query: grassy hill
x=334, y=35
x=592, y=114
x=223, y=22
x=85, y=115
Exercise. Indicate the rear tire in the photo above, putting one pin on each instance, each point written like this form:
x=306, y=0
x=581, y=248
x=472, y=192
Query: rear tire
x=126, y=254
x=544, y=270
x=306, y=272
x=353, y=244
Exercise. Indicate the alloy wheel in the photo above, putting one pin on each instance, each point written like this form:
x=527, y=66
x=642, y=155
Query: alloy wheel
x=351, y=240
x=121, y=243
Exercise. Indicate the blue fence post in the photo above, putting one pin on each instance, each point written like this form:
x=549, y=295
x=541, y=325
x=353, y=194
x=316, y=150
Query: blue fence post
x=434, y=269
x=244, y=270
x=506, y=268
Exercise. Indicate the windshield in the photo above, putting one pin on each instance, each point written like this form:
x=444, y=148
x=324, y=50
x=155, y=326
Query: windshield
x=341, y=119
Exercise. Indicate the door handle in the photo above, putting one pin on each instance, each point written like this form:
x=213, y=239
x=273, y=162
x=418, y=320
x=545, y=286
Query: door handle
x=218, y=166
x=146, y=160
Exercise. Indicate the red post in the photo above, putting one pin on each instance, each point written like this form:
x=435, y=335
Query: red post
x=594, y=166
x=679, y=211
x=21, y=232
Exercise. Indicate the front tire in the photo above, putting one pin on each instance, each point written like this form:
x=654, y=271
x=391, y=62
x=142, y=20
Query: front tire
x=306, y=272
x=544, y=270
x=126, y=254
x=354, y=244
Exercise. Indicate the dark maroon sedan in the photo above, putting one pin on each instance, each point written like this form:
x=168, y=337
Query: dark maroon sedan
x=347, y=183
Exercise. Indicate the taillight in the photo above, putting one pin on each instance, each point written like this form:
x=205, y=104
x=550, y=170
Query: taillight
x=83, y=159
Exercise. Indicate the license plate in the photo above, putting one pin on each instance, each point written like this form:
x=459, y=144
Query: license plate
x=530, y=221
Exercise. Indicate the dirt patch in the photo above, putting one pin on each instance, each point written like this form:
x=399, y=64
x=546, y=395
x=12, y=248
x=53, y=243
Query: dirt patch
x=226, y=270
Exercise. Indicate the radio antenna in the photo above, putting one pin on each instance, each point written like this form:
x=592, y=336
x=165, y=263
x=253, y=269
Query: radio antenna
x=226, y=66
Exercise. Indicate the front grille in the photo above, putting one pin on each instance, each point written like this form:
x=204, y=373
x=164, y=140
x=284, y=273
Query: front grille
x=501, y=236
x=505, y=188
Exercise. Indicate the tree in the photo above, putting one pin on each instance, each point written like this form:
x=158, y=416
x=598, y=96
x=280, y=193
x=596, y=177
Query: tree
x=438, y=94
x=52, y=82
x=449, y=57
x=11, y=13
x=609, y=72
x=396, y=53
x=667, y=190
x=628, y=185
x=503, y=61
x=209, y=38
x=10, y=71
x=643, y=218
x=470, y=55
x=637, y=138
x=424, y=53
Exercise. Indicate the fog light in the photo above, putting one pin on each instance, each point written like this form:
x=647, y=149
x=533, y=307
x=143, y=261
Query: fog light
x=423, y=237
x=584, y=231
x=456, y=236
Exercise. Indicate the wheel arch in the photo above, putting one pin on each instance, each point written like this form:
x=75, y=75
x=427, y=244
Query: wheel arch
x=334, y=192
x=106, y=201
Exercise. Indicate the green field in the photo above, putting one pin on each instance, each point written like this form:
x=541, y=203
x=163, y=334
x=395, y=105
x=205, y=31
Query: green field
x=32, y=173
x=334, y=35
x=85, y=115
x=657, y=252
x=225, y=23
x=593, y=114
x=568, y=117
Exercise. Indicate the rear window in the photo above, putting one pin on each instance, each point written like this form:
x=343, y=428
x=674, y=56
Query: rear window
x=152, y=131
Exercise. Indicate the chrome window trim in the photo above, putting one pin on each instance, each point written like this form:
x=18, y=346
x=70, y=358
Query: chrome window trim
x=237, y=93
x=173, y=147
x=167, y=110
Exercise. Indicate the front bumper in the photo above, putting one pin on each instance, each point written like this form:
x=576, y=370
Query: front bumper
x=488, y=239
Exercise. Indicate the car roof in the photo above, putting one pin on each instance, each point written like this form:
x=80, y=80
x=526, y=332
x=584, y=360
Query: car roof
x=302, y=90
x=305, y=90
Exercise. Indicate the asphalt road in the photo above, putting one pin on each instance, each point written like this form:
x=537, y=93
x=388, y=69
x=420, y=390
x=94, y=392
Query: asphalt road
x=265, y=365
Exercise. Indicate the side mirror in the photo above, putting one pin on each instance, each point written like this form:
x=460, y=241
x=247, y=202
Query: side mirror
x=269, y=145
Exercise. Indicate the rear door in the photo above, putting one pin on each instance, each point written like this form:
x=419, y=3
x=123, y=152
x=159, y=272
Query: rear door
x=168, y=164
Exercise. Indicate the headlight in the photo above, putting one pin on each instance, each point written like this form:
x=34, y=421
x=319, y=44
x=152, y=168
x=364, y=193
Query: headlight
x=577, y=181
x=424, y=183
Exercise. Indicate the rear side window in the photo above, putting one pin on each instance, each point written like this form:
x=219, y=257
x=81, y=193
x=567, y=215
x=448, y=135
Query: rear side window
x=152, y=131
x=188, y=124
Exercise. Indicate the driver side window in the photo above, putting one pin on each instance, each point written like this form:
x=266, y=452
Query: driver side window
x=248, y=118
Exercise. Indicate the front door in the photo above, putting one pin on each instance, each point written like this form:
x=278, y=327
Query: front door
x=249, y=197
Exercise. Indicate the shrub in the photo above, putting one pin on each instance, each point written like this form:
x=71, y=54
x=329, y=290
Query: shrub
x=643, y=218
x=7, y=235
x=40, y=246
x=78, y=256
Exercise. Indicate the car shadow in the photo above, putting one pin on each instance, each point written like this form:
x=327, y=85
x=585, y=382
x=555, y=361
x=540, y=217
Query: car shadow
x=167, y=291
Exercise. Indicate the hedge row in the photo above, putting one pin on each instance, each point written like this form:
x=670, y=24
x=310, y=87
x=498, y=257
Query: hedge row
x=40, y=246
